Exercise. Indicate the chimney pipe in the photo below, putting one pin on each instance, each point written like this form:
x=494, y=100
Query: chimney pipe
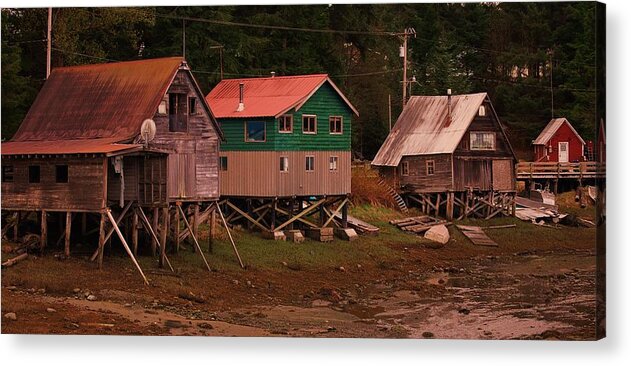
x=273, y=73
x=241, y=106
x=448, y=107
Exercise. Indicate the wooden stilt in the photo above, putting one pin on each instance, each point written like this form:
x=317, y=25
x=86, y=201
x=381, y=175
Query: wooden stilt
x=177, y=227
x=345, y=215
x=163, y=235
x=196, y=224
x=44, y=231
x=272, y=223
x=248, y=206
x=450, y=206
x=101, y=240
x=68, y=229
x=212, y=227
x=134, y=233
x=437, y=204
x=156, y=213
x=120, y=236
x=225, y=224
x=292, y=204
x=111, y=231
x=188, y=226
x=16, y=228
x=152, y=233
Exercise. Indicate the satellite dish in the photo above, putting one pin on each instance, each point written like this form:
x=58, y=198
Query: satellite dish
x=147, y=130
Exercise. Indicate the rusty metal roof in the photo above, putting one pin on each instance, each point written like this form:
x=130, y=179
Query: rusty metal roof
x=267, y=97
x=423, y=127
x=552, y=127
x=98, y=101
x=90, y=146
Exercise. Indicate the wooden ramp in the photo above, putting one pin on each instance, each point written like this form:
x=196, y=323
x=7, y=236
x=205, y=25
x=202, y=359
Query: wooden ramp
x=360, y=226
x=477, y=236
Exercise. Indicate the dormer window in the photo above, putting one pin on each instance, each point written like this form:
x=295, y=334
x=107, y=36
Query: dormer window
x=178, y=119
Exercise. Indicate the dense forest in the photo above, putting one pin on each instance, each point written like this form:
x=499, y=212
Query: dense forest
x=534, y=59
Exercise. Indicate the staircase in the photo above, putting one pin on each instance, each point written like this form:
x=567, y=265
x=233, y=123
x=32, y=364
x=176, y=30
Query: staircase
x=400, y=202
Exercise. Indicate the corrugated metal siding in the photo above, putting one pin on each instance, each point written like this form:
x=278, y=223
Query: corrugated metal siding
x=424, y=127
x=258, y=174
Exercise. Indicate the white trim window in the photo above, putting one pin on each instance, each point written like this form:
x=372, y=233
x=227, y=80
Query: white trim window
x=284, y=164
x=309, y=124
x=310, y=163
x=286, y=123
x=335, y=125
x=333, y=160
x=482, y=140
x=482, y=111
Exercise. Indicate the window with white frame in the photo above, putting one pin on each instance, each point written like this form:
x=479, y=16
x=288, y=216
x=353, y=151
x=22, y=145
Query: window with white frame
x=333, y=163
x=405, y=168
x=310, y=163
x=482, y=140
x=309, y=124
x=285, y=123
x=482, y=111
x=335, y=125
x=284, y=164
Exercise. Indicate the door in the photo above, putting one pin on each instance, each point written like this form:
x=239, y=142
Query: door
x=563, y=152
x=182, y=175
x=503, y=175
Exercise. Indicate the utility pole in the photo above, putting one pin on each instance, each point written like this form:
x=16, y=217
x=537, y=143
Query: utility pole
x=389, y=113
x=403, y=52
x=551, y=53
x=184, y=38
x=49, y=41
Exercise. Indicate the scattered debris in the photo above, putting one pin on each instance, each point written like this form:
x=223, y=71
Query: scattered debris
x=418, y=224
x=501, y=226
x=11, y=316
x=51, y=310
x=91, y=298
x=15, y=260
x=476, y=235
x=438, y=233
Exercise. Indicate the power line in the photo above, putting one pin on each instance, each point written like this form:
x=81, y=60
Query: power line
x=84, y=55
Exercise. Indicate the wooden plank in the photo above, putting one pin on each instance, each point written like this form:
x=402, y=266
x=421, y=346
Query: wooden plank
x=101, y=241
x=151, y=231
x=188, y=226
x=68, y=227
x=134, y=232
x=120, y=236
x=225, y=224
x=476, y=235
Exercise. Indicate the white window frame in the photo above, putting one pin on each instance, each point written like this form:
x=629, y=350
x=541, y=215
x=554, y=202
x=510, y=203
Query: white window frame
x=291, y=123
x=334, y=163
x=312, y=157
x=315, y=124
x=284, y=164
x=482, y=148
x=341, y=125
x=482, y=111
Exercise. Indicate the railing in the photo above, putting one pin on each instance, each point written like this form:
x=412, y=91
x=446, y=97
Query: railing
x=587, y=169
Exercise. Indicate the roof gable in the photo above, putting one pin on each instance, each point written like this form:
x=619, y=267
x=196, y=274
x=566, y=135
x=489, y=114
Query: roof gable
x=422, y=127
x=98, y=101
x=551, y=129
x=267, y=97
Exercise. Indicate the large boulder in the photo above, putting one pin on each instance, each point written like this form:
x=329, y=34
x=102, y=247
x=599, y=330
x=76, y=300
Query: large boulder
x=438, y=234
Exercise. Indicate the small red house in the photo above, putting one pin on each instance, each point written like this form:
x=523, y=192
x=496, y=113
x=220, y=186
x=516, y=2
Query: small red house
x=559, y=142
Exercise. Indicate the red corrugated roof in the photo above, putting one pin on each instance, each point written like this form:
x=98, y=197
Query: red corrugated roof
x=266, y=97
x=91, y=146
x=98, y=101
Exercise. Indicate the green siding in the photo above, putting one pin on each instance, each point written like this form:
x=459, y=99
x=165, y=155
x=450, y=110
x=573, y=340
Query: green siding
x=323, y=103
